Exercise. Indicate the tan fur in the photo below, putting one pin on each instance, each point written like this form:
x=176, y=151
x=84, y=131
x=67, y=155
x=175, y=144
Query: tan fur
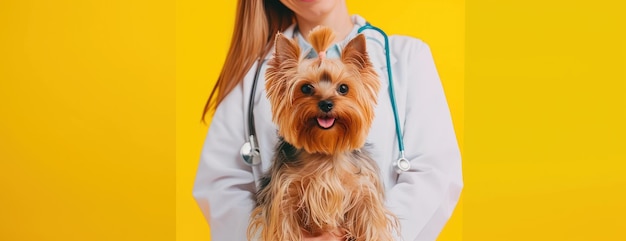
x=320, y=180
x=320, y=38
x=287, y=73
x=321, y=194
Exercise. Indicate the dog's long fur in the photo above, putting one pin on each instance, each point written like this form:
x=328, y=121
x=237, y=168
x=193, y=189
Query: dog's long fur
x=321, y=180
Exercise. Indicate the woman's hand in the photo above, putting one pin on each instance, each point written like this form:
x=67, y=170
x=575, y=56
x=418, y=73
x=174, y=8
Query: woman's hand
x=335, y=235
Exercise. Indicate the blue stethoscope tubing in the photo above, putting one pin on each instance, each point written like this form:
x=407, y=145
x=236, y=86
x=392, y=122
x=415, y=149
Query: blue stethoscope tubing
x=402, y=164
x=250, y=150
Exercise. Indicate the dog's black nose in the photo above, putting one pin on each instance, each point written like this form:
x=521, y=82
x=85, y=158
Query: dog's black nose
x=325, y=105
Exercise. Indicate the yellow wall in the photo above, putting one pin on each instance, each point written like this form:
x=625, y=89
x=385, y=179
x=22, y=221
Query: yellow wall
x=100, y=104
x=545, y=123
x=87, y=120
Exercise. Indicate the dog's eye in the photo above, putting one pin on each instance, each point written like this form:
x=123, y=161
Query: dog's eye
x=307, y=89
x=343, y=89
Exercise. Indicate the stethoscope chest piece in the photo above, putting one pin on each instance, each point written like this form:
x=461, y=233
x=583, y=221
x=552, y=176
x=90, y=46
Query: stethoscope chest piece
x=401, y=165
x=249, y=152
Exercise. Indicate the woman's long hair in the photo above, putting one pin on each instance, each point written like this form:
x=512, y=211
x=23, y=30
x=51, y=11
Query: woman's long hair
x=256, y=24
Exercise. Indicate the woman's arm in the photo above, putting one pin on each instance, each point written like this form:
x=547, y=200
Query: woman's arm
x=224, y=185
x=425, y=196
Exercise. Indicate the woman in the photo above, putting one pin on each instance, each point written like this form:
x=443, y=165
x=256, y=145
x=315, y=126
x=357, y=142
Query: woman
x=423, y=197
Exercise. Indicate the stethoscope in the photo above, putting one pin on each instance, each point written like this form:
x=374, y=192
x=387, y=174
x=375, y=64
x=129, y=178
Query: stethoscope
x=250, y=150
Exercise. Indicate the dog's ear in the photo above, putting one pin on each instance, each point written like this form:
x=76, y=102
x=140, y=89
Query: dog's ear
x=355, y=53
x=283, y=65
x=287, y=53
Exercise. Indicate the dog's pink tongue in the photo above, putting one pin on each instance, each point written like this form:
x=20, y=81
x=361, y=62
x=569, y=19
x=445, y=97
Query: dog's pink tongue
x=325, y=122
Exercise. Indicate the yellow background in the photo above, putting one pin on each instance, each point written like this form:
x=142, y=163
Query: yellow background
x=545, y=122
x=100, y=104
x=87, y=120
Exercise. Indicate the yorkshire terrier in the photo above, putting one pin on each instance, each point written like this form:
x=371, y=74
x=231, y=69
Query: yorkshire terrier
x=321, y=180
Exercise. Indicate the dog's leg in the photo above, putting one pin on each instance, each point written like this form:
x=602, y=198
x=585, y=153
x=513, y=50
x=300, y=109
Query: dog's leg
x=369, y=220
x=279, y=214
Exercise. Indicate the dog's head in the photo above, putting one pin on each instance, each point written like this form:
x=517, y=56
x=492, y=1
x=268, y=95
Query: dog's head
x=322, y=105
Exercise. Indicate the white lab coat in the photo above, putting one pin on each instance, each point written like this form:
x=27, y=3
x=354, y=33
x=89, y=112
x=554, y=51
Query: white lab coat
x=423, y=198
